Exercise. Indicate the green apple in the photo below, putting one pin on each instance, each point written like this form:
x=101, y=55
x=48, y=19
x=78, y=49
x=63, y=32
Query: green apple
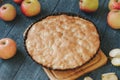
x=89, y=5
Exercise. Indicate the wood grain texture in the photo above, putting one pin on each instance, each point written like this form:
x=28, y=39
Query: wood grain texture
x=99, y=60
x=22, y=67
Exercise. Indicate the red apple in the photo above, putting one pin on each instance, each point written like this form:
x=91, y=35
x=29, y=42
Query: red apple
x=113, y=19
x=18, y=1
x=7, y=48
x=7, y=12
x=114, y=4
x=30, y=7
x=89, y=5
x=110, y=5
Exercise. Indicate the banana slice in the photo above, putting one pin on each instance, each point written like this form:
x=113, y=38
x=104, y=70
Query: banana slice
x=114, y=53
x=109, y=76
x=115, y=61
x=88, y=78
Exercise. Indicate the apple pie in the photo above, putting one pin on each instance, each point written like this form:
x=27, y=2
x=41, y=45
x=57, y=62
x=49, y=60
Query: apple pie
x=62, y=42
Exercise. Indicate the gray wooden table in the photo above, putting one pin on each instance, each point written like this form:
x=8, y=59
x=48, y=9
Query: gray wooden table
x=22, y=67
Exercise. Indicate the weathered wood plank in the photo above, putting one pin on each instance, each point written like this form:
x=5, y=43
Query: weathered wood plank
x=110, y=41
x=18, y=68
x=22, y=67
x=30, y=71
x=5, y=27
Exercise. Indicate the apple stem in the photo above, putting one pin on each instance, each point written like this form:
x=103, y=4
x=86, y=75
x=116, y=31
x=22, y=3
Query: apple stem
x=29, y=2
x=4, y=8
x=81, y=1
x=118, y=0
x=3, y=43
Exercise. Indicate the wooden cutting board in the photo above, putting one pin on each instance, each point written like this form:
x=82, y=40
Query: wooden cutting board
x=99, y=60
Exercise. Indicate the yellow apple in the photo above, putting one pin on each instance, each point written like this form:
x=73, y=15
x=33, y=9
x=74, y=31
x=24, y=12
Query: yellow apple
x=89, y=5
x=113, y=19
x=7, y=12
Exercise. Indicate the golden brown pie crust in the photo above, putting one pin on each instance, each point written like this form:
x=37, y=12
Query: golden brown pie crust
x=62, y=42
x=99, y=60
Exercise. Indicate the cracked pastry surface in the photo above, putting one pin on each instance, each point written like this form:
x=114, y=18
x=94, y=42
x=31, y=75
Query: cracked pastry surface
x=62, y=41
